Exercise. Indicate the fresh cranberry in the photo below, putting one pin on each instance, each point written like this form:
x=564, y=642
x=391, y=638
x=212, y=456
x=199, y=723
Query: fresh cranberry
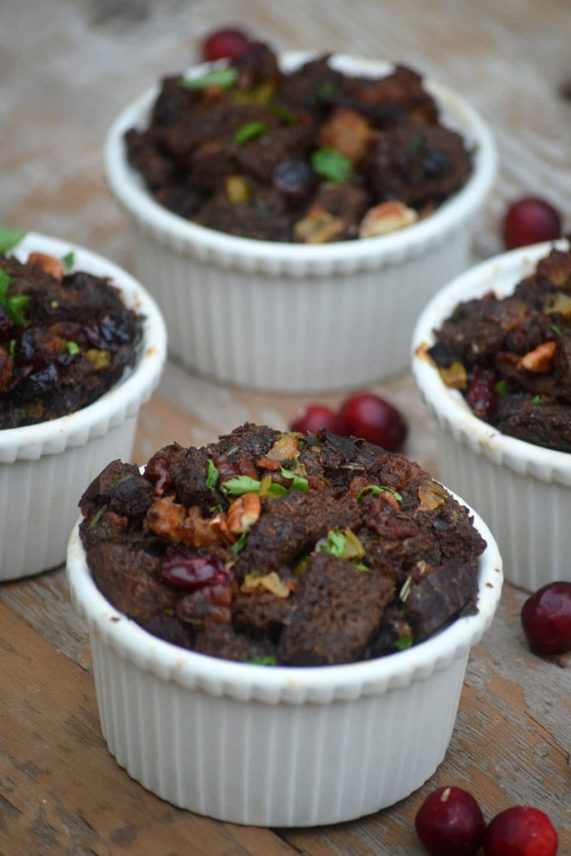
x=520, y=831
x=546, y=619
x=225, y=44
x=318, y=417
x=371, y=417
x=450, y=823
x=192, y=572
x=209, y=604
x=529, y=221
x=482, y=395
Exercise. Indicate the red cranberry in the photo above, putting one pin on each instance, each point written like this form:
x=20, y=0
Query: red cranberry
x=318, y=417
x=192, y=572
x=482, y=395
x=529, y=221
x=546, y=619
x=520, y=831
x=225, y=44
x=371, y=417
x=450, y=823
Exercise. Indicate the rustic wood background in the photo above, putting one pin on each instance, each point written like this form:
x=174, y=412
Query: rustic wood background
x=66, y=68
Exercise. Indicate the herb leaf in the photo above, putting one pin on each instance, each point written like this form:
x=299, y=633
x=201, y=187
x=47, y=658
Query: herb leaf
x=213, y=473
x=283, y=113
x=376, y=489
x=501, y=387
x=241, y=485
x=249, y=131
x=68, y=260
x=334, y=544
x=5, y=281
x=404, y=642
x=9, y=238
x=225, y=78
x=12, y=347
x=331, y=164
x=536, y=400
x=15, y=306
x=72, y=348
x=555, y=328
x=263, y=661
x=298, y=483
x=239, y=545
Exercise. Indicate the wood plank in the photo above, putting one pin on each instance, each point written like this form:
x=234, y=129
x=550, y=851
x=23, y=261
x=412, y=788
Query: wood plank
x=60, y=789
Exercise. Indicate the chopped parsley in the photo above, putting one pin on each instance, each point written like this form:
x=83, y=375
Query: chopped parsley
x=72, y=348
x=404, y=642
x=555, y=328
x=536, y=400
x=502, y=387
x=225, y=78
x=298, y=483
x=244, y=484
x=12, y=347
x=283, y=113
x=334, y=544
x=376, y=489
x=213, y=473
x=15, y=305
x=68, y=260
x=249, y=131
x=9, y=238
x=331, y=164
x=240, y=485
x=263, y=661
x=239, y=545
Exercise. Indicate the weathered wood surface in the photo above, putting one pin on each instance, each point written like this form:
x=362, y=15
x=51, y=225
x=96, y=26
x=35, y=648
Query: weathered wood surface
x=65, y=70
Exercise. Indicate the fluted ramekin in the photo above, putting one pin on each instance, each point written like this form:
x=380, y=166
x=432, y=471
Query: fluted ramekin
x=45, y=467
x=291, y=317
x=522, y=490
x=276, y=746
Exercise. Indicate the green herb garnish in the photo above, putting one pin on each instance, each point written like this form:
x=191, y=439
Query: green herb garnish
x=263, y=661
x=239, y=545
x=5, y=281
x=15, y=306
x=298, y=483
x=213, y=473
x=68, y=260
x=97, y=517
x=555, y=328
x=12, y=347
x=376, y=489
x=241, y=485
x=275, y=489
x=334, y=544
x=72, y=348
x=9, y=238
x=331, y=164
x=404, y=642
x=249, y=131
x=359, y=566
x=283, y=113
x=225, y=78
x=501, y=387
x=215, y=509
x=536, y=400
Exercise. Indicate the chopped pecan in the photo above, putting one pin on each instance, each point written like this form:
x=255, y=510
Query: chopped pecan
x=540, y=360
x=48, y=264
x=243, y=513
x=347, y=132
x=386, y=217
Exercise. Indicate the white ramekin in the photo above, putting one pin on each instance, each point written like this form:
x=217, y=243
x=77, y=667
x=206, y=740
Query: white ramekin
x=290, y=317
x=522, y=490
x=275, y=746
x=44, y=468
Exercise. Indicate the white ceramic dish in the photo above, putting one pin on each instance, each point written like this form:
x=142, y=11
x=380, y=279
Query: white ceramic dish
x=275, y=746
x=521, y=489
x=290, y=317
x=44, y=468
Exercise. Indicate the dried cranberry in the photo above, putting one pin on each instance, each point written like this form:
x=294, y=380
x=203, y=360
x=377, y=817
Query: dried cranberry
x=520, y=831
x=376, y=420
x=225, y=44
x=157, y=470
x=43, y=381
x=207, y=604
x=450, y=823
x=546, y=619
x=436, y=163
x=482, y=395
x=192, y=572
x=529, y=221
x=294, y=179
x=318, y=417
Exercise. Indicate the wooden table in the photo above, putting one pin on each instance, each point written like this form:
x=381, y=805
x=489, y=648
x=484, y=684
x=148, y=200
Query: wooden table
x=65, y=70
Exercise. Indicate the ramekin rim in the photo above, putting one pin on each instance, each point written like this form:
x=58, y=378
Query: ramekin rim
x=128, y=188
x=123, y=395
x=185, y=667
x=449, y=404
